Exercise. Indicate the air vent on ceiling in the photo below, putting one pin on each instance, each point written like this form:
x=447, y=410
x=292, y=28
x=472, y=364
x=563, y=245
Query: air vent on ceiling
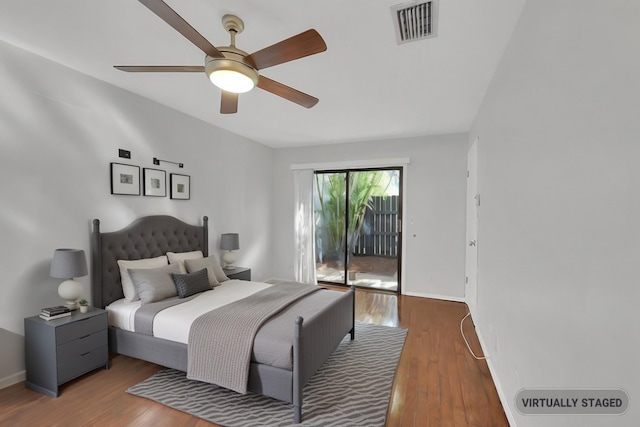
x=415, y=21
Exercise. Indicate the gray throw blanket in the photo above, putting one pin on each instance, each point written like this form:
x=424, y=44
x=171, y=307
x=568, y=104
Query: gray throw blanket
x=221, y=341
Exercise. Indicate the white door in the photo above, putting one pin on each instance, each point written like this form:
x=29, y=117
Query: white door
x=473, y=201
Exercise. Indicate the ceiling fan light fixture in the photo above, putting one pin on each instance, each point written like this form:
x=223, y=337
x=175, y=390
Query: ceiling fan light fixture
x=231, y=81
x=230, y=75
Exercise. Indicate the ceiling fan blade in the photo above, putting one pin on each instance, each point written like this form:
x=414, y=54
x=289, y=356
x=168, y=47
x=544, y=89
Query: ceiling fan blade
x=287, y=92
x=299, y=46
x=168, y=15
x=160, y=68
x=228, y=103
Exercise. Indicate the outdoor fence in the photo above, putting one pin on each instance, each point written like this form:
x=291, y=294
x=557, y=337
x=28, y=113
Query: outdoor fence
x=379, y=233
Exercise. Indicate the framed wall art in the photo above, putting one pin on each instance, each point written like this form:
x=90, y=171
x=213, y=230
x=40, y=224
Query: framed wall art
x=180, y=186
x=125, y=179
x=155, y=182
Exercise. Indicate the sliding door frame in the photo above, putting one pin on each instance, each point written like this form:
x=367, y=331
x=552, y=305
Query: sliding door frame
x=399, y=242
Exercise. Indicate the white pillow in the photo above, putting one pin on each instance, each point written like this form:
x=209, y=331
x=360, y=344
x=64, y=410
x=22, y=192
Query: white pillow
x=128, y=289
x=178, y=258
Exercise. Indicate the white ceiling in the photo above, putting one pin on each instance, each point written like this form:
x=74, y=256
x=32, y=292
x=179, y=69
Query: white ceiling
x=369, y=86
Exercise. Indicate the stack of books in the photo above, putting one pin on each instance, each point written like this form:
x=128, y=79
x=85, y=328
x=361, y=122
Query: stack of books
x=50, y=313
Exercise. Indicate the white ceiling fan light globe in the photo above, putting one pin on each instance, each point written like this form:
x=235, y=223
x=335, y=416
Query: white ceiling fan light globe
x=230, y=75
x=231, y=81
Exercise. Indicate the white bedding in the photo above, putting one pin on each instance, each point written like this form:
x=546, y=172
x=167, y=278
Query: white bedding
x=174, y=323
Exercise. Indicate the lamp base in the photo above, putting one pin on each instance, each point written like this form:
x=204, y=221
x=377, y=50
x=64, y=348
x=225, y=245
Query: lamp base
x=70, y=290
x=71, y=305
x=229, y=258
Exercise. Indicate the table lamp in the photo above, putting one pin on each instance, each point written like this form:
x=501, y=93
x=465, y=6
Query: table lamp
x=229, y=242
x=67, y=264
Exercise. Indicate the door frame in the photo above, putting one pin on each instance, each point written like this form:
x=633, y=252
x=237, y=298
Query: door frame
x=471, y=235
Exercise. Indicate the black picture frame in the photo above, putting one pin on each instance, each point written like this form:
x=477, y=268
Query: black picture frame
x=180, y=186
x=125, y=179
x=154, y=182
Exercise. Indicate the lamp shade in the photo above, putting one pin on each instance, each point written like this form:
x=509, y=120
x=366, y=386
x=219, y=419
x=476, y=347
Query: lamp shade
x=68, y=263
x=230, y=241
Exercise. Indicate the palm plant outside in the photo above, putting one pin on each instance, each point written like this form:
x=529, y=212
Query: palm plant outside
x=331, y=211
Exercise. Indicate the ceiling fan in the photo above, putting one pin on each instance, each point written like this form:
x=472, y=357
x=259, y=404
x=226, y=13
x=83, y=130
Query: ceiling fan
x=234, y=70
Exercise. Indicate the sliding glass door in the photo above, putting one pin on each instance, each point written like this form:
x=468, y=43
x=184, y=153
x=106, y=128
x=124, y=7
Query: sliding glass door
x=357, y=229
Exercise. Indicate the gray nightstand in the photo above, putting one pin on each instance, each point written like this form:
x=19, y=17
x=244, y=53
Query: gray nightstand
x=59, y=350
x=240, y=273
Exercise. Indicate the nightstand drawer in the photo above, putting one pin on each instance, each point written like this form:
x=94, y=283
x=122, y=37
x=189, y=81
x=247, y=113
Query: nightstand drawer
x=80, y=328
x=82, y=345
x=82, y=364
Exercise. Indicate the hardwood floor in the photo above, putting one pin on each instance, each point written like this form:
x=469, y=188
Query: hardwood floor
x=438, y=383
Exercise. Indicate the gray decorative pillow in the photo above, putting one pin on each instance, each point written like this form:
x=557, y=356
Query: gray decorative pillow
x=214, y=271
x=154, y=284
x=191, y=283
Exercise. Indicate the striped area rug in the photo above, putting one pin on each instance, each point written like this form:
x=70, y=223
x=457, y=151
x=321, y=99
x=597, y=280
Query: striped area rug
x=351, y=389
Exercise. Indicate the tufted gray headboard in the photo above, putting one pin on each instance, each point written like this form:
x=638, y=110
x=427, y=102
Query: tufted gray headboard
x=146, y=237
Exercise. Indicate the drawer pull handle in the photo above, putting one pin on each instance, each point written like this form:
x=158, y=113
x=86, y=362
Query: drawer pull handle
x=83, y=355
x=84, y=337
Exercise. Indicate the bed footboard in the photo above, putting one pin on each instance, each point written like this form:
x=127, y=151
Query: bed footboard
x=316, y=338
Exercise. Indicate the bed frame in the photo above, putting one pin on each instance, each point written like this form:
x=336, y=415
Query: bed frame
x=315, y=339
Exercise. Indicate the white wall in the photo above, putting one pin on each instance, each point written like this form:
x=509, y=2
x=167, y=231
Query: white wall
x=559, y=220
x=434, y=218
x=59, y=130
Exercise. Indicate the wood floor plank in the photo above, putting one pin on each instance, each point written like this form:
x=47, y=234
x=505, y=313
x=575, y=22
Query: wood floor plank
x=437, y=383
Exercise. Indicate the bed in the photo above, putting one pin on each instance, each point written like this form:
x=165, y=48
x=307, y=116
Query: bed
x=313, y=339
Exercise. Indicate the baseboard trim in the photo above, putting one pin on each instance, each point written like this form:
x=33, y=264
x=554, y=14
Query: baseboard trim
x=434, y=296
x=501, y=395
x=13, y=379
